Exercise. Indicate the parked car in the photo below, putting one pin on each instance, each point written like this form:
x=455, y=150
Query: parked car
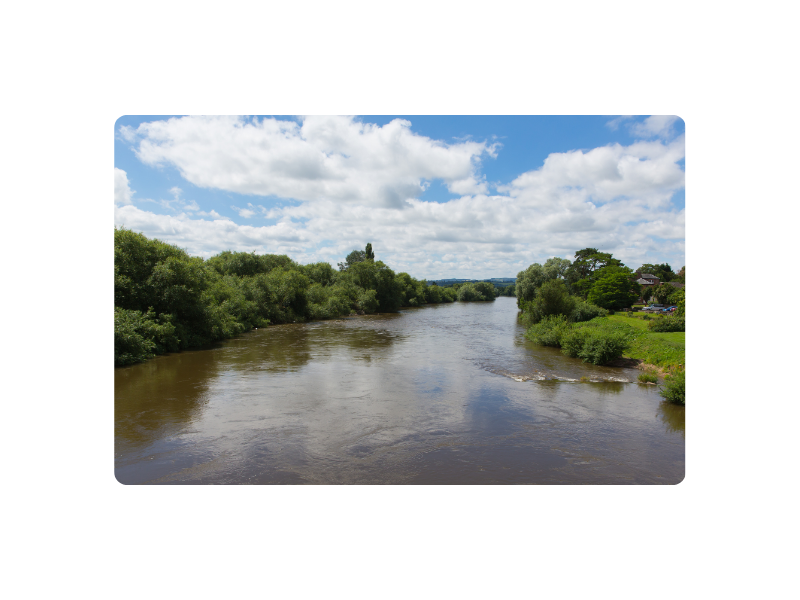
x=653, y=308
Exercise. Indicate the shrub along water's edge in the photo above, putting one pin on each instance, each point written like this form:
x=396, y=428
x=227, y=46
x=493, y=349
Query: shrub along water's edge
x=167, y=301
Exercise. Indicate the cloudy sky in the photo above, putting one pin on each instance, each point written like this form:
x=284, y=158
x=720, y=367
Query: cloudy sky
x=466, y=197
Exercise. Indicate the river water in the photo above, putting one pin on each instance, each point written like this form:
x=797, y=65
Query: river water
x=444, y=394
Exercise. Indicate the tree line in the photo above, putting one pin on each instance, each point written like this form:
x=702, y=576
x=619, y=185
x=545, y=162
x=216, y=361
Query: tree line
x=593, y=278
x=561, y=300
x=166, y=300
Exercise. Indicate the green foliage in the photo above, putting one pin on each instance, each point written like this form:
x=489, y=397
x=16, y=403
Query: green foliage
x=674, y=389
x=322, y=273
x=243, y=264
x=664, y=293
x=509, y=290
x=680, y=302
x=594, y=345
x=433, y=294
x=667, y=324
x=586, y=262
x=552, y=298
x=448, y=294
x=486, y=289
x=531, y=279
x=661, y=349
x=368, y=253
x=549, y=331
x=648, y=378
x=614, y=291
x=367, y=301
x=478, y=291
x=584, y=311
x=469, y=293
x=138, y=336
x=412, y=290
x=355, y=257
x=663, y=271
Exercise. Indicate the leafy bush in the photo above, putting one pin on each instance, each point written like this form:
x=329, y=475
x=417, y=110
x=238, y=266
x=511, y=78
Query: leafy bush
x=680, y=302
x=448, y=294
x=648, y=378
x=614, y=291
x=469, y=293
x=433, y=294
x=594, y=345
x=549, y=331
x=584, y=311
x=138, y=336
x=572, y=342
x=367, y=301
x=667, y=324
x=486, y=289
x=674, y=389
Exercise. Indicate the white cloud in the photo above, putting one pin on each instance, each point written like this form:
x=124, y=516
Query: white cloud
x=615, y=198
x=321, y=158
x=469, y=185
x=122, y=189
x=614, y=124
x=244, y=212
x=654, y=126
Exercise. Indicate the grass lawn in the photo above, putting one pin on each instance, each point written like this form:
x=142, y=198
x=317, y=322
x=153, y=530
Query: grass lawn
x=666, y=350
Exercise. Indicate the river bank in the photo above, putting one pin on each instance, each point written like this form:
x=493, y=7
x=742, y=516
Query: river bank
x=662, y=353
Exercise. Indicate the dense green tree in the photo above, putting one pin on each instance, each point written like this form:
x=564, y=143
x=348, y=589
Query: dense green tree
x=552, y=298
x=321, y=272
x=509, y=290
x=433, y=294
x=532, y=278
x=244, y=264
x=355, y=257
x=166, y=300
x=586, y=262
x=664, y=293
x=663, y=271
x=680, y=302
x=486, y=289
x=614, y=291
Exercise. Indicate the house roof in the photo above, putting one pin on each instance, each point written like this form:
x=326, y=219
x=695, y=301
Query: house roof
x=648, y=276
x=644, y=282
x=676, y=284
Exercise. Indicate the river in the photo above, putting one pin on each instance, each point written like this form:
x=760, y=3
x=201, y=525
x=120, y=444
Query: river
x=444, y=394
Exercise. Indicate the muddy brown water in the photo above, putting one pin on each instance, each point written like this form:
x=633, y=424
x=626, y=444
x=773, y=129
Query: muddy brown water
x=445, y=394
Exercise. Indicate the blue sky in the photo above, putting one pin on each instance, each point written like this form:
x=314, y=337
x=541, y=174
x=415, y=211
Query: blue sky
x=437, y=196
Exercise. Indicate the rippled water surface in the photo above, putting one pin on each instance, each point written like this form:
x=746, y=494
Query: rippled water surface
x=445, y=394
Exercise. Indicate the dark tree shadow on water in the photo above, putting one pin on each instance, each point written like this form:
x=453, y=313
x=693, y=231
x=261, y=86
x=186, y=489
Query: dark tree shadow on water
x=165, y=393
x=673, y=416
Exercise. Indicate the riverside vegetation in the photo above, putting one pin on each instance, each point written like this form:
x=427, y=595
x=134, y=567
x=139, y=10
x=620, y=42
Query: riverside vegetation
x=166, y=300
x=572, y=306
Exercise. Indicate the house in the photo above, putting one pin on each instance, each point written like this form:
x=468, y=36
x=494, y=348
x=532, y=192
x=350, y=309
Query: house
x=647, y=279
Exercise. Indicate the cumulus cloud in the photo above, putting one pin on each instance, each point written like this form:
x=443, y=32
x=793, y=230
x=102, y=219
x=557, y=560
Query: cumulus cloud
x=615, y=198
x=319, y=158
x=208, y=237
x=122, y=189
x=614, y=124
x=655, y=126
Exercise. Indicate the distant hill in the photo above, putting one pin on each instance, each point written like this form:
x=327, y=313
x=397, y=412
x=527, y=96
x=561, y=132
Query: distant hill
x=498, y=281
